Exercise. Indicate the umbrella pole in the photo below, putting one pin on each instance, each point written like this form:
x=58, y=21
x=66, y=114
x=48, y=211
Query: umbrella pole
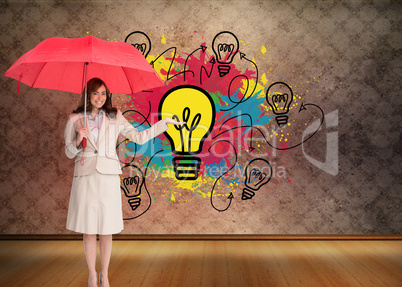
x=84, y=140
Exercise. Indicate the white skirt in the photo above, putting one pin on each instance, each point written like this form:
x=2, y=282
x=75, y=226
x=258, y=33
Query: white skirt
x=95, y=204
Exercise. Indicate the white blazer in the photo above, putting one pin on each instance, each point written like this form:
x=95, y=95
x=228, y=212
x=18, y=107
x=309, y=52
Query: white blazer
x=102, y=156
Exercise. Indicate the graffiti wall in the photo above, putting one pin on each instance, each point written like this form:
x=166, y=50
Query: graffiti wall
x=283, y=133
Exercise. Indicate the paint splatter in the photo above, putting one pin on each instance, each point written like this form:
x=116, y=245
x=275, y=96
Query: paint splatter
x=240, y=103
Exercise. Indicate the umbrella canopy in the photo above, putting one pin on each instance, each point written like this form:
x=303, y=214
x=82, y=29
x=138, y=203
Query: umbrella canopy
x=65, y=64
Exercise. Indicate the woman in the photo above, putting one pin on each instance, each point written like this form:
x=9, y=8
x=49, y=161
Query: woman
x=95, y=203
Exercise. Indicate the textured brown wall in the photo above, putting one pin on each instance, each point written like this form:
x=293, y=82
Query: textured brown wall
x=341, y=56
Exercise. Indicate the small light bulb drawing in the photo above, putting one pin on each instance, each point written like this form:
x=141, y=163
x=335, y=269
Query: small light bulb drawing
x=279, y=96
x=225, y=45
x=258, y=172
x=132, y=184
x=194, y=106
x=139, y=40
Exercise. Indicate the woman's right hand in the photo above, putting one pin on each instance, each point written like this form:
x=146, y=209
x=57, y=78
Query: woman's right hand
x=82, y=133
x=173, y=122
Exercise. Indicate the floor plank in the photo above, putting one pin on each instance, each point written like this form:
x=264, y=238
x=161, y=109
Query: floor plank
x=207, y=263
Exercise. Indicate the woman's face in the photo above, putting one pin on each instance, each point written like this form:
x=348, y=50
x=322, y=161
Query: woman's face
x=98, y=98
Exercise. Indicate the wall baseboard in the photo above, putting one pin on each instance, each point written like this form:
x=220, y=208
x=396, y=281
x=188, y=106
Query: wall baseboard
x=209, y=237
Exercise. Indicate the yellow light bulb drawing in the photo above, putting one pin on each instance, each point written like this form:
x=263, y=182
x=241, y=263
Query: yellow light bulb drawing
x=194, y=106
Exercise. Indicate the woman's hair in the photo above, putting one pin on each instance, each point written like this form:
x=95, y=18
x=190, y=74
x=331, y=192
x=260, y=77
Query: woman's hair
x=92, y=86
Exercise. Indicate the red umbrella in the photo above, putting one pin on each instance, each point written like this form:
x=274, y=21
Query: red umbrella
x=65, y=64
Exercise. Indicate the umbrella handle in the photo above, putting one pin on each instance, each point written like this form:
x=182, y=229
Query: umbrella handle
x=84, y=145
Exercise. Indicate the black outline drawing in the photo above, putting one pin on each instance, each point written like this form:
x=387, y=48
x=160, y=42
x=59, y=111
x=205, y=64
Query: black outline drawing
x=142, y=47
x=302, y=108
x=281, y=118
x=178, y=128
x=136, y=199
x=203, y=48
x=187, y=168
x=219, y=177
x=229, y=51
x=191, y=128
x=249, y=190
x=244, y=98
x=168, y=77
x=251, y=126
x=213, y=62
x=125, y=141
x=191, y=163
x=251, y=148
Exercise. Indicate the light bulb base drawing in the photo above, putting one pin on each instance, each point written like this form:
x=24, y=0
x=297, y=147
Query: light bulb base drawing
x=134, y=202
x=223, y=70
x=186, y=168
x=247, y=194
x=281, y=120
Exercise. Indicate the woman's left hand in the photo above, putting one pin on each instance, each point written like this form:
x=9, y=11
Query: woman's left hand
x=174, y=122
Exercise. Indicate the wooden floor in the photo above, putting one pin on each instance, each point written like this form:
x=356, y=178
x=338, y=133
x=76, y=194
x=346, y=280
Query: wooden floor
x=181, y=263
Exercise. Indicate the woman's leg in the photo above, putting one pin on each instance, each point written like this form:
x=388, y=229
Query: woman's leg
x=90, y=255
x=105, y=246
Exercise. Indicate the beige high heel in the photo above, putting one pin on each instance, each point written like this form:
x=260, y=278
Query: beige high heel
x=89, y=281
x=100, y=279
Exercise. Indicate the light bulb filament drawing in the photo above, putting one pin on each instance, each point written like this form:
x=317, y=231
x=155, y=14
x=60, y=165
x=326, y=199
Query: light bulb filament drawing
x=256, y=176
x=190, y=129
x=130, y=181
x=140, y=41
x=141, y=47
x=280, y=98
x=224, y=52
